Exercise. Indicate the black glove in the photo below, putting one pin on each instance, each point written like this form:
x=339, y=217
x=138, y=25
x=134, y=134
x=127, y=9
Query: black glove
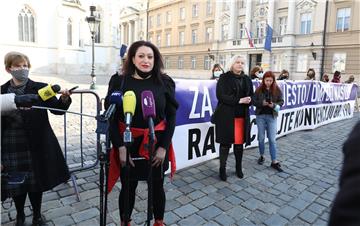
x=26, y=100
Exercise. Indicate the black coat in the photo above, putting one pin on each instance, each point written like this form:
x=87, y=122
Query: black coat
x=49, y=165
x=346, y=208
x=228, y=97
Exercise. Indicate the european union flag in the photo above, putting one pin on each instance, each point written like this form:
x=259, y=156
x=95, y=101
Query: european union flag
x=123, y=50
x=268, y=38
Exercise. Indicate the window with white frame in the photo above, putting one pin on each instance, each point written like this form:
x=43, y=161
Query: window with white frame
x=224, y=32
x=343, y=19
x=339, y=62
x=182, y=13
x=208, y=7
x=241, y=30
x=167, y=62
x=168, y=17
x=26, y=23
x=225, y=5
x=207, y=63
x=193, y=62
x=180, y=62
x=208, y=34
x=69, y=32
x=260, y=2
x=241, y=4
x=158, y=20
x=168, y=39
x=302, y=62
x=260, y=29
x=194, y=36
x=305, y=23
x=195, y=10
x=277, y=62
x=151, y=21
x=158, y=40
x=181, y=38
x=222, y=60
x=282, y=25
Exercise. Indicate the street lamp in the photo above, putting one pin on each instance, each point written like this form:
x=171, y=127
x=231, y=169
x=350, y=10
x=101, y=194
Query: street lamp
x=93, y=22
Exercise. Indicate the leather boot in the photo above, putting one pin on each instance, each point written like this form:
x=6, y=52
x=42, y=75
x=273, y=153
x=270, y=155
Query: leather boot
x=224, y=153
x=123, y=223
x=238, y=152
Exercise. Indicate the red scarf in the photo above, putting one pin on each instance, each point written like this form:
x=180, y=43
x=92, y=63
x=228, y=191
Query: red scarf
x=114, y=169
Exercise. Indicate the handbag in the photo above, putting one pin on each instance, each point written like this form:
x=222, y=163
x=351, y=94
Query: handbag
x=213, y=116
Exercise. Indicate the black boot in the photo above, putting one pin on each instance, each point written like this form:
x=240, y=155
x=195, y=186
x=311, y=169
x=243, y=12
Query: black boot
x=20, y=219
x=238, y=152
x=224, y=153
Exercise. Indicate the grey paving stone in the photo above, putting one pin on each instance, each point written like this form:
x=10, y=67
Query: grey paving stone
x=210, y=212
x=299, y=204
x=186, y=210
x=85, y=215
x=308, y=216
x=192, y=220
x=276, y=220
x=63, y=220
x=203, y=202
x=288, y=212
x=171, y=218
x=224, y=220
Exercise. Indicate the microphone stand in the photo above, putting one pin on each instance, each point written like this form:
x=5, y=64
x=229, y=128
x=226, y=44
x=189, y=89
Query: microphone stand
x=103, y=128
x=127, y=142
x=150, y=176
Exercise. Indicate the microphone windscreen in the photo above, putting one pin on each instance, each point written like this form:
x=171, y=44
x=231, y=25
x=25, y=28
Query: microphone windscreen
x=47, y=92
x=116, y=98
x=148, y=104
x=56, y=88
x=129, y=102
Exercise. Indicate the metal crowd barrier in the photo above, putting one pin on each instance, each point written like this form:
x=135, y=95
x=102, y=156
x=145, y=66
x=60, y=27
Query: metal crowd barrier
x=83, y=164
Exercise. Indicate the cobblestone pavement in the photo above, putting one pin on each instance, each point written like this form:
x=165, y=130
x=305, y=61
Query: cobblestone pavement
x=302, y=195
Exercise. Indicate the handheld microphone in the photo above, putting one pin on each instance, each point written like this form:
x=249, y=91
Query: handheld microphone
x=114, y=100
x=48, y=91
x=149, y=110
x=129, y=104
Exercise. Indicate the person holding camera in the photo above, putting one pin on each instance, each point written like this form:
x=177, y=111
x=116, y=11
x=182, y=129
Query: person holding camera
x=268, y=99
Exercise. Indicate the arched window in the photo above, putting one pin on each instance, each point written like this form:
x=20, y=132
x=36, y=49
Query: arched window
x=26, y=23
x=69, y=32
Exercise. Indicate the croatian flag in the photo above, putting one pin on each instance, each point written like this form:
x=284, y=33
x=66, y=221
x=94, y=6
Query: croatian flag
x=251, y=44
x=123, y=50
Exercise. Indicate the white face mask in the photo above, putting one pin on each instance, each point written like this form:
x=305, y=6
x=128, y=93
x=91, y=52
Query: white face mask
x=260, y=75
x=217, y=74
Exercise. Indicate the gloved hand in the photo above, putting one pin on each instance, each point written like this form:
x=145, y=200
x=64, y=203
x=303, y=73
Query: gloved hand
x=26, y=100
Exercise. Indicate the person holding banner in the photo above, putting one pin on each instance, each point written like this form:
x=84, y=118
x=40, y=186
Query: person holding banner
x=231, y=117
x=143, y=71
x=268, y=99
x=28, y=143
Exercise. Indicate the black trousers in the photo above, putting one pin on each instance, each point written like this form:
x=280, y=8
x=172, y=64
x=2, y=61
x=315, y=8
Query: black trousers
x=140, y=172
x=35, y=200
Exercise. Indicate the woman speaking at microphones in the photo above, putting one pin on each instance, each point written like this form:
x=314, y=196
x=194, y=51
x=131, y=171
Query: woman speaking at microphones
x=142, y=73
x=28, y=143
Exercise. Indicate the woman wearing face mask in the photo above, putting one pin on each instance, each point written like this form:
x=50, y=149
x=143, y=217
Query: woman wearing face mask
x=217, y=71
x=256, y=73
x=28, y=143
x=143, y=70
x=310, y=75
x=232, y=119
x=268, y=99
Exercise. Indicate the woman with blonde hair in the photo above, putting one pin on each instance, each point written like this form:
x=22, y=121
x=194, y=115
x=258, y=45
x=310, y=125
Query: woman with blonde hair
x=231, y=118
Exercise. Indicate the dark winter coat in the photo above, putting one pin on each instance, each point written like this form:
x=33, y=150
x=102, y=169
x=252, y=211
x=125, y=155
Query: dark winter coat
x=346, y=206
x=48, y=162
x=259, y=97
x=228, y=95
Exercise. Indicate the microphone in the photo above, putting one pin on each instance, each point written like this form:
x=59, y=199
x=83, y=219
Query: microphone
x=114, y=100
x=149, y=110
x=48, y=91
x=129, y=103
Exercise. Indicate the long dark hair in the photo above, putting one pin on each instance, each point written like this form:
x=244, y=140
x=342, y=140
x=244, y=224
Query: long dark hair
x=129, y=67
x=274, y=88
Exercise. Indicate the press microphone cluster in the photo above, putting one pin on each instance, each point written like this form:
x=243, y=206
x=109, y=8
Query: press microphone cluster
x=129, y=104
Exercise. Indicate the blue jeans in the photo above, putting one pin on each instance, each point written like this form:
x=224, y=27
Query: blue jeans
x=267, y=123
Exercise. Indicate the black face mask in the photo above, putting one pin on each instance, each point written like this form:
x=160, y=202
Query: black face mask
x=143, y=74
